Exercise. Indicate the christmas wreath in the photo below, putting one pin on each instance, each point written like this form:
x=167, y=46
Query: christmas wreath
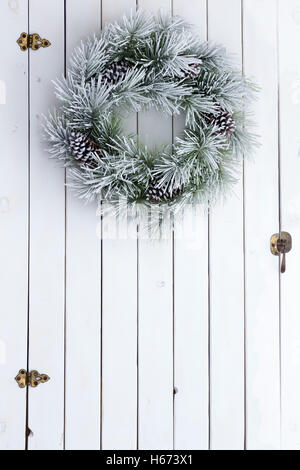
x=147, y=61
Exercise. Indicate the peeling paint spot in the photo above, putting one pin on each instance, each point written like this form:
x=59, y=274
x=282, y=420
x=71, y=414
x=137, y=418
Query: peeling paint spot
x=4, y=205
x=296, y=15
x=14, y=5
x=161, y=284
x=3, y=427
x=2, y=92
x=296, y=91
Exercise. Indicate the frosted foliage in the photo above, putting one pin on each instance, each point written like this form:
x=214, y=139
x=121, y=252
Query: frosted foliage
x=141, y=62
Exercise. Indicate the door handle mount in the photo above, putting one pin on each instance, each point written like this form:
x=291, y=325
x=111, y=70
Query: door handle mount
x=281, y=243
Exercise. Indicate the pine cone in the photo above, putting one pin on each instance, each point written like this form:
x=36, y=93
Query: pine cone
x=82, y=148
x=223, y=121
x=115, y=72
x=194, y=71
x=161, y=193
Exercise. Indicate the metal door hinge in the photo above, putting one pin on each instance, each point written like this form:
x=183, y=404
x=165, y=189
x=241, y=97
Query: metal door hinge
x=32, y=41
x=281, y=243
x=30, y=379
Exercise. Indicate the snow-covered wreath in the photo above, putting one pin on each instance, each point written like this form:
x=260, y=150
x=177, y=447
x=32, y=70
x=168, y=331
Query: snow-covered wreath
x=142, y=62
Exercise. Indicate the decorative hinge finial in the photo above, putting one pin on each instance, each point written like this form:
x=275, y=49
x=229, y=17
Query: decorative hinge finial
x=31, y=379
x=32, y=41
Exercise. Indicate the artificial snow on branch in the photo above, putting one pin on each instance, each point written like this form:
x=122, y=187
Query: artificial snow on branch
x=150, y=61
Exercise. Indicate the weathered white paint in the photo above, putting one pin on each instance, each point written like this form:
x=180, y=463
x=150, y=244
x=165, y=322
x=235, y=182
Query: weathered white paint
x=155, y=306
x=13, y=227
x=47, y=238
x=191, y=379
x=119, y=373
x=226, y=275
x=83, y=283
x=289, y=35
x=261, y=220
x=163, y=313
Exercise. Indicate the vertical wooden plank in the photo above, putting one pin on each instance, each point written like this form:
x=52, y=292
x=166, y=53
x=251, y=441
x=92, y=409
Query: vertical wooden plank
x=112, y=11
x=191, y=426
x=155, y=345
x=119, y=389
x=13, y=223
x=155, y=306
x=119, y=337
x=47, y=238
x=226, y=271
x=83, y=281
x=289, y=60
x=261, y=220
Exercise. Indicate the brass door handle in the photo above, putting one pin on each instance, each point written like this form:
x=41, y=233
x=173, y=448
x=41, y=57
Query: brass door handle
x=281, y=243
x=283, y=264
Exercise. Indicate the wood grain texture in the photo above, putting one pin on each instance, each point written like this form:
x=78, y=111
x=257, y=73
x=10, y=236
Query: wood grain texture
x=155, y=313
x=289, y=67
x=191, y=402
x=119, y=335
x=112, y=11
x=83, y=281
x=155, y=306
x=13, y=224
x=261, y=221
x=226, y=274
x=119, y=362
x=47, y=238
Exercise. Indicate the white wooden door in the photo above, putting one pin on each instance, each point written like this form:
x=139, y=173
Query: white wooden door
x=190, y=342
